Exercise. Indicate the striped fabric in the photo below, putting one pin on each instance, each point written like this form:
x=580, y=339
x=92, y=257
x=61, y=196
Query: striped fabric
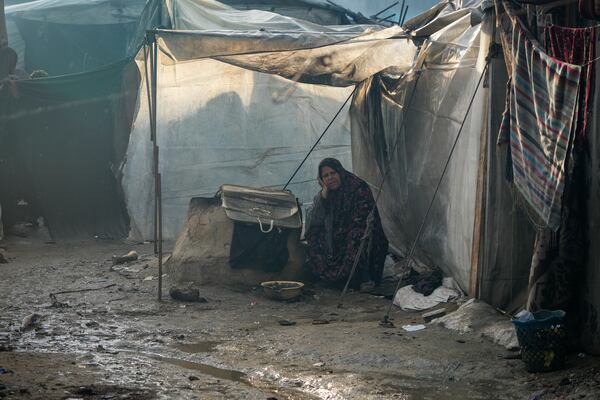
x=539, y=120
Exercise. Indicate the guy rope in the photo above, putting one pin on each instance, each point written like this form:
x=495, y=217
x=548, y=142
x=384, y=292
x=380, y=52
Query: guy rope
x=494, y=49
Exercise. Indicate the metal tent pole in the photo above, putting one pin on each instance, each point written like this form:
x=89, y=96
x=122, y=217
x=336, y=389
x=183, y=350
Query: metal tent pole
x=160, y=248
x=157, y=175
x=153, y=84
x=151, y=91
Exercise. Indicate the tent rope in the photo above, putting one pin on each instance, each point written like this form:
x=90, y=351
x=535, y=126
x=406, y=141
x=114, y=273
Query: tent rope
x=368, y=229
x=371, y=216
x=385, y=321
x=320, y=137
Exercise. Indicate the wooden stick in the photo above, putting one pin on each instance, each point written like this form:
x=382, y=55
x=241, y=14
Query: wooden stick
x=85, y=290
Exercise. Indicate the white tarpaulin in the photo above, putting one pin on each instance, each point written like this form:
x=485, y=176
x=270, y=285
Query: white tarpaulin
x=219, y=123
x=423, y=113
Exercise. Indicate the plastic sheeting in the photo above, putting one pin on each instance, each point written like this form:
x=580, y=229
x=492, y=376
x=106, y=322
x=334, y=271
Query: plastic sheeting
x=508, y=236
x=219, y=124
x=71, y=36
x=59, y=137
x=422, y=113
x=300, y=56
x=63, y=137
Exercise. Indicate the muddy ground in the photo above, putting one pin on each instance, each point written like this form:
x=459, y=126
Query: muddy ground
x=119, y=342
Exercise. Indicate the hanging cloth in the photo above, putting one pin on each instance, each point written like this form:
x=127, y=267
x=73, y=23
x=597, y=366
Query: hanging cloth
x=576, y=46
x=557, y=257
x=539, y=120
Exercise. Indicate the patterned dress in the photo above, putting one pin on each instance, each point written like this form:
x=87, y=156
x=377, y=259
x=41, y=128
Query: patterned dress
x=335, y=228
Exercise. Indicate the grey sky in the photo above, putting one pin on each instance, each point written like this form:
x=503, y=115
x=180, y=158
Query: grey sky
x=370, y=7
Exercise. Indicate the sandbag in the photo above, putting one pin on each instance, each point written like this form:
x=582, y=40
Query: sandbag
x=201, y=253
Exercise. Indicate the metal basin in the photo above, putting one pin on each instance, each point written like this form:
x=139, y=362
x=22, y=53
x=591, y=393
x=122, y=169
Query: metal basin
x=282, y=290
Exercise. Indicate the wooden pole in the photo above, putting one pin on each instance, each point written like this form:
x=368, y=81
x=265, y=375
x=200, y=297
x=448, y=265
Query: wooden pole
x=160, y=249
x=480, y=200
x=3, y=34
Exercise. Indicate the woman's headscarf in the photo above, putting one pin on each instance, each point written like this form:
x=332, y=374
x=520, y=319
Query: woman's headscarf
x=334, y=164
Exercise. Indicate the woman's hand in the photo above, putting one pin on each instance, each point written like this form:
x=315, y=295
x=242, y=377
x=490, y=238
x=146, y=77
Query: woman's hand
x=323, y=189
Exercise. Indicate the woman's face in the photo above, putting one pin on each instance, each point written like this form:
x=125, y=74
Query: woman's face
x=331, y=178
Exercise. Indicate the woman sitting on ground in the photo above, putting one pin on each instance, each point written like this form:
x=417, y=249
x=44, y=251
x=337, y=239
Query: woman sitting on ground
x=337, y=224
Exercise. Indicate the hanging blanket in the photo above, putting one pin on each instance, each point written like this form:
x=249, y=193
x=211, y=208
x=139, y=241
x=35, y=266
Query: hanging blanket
x=539, y=119
x=558, y=257
x=576, y=46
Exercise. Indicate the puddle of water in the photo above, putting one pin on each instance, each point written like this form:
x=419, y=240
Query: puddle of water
x=219, y=373
x=193, y=348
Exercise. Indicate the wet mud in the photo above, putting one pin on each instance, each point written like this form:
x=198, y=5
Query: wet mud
x=104, y=335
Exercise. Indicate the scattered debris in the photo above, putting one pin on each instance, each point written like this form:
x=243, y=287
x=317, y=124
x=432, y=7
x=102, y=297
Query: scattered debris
x=131, y=256
x=386, y=322
x=319, y=364
x=84, y=290
x=57, y=304
x=320, y=322
x=427, y=281
x=286, y=322
x=6, y=347
x=92, y=324
x=30, y=321
x=3, y=256
x=407, y=298
x=482, y=319
x=193, y=378
x=565, y=381
x=413, y=328
x=431, y=315
x=190, y=295
x=513, y=355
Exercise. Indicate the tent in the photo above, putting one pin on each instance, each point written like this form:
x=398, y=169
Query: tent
x=65, y=136
x=405, y=117
x=220, y=123
x=243, y=94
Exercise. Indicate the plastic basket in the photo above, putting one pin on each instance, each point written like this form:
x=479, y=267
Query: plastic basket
x=543, y=340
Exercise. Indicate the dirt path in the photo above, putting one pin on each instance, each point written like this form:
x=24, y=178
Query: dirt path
x=120, y=343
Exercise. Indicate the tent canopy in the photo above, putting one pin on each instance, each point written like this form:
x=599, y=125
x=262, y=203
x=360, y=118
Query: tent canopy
x=73, y=36
x=449, y=63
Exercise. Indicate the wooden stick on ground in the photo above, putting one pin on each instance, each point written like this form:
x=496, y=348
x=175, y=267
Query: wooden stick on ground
x=85, y=290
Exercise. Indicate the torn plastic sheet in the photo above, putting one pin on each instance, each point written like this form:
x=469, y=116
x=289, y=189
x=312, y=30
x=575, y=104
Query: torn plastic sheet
x=409, y=124
x=336, y=59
